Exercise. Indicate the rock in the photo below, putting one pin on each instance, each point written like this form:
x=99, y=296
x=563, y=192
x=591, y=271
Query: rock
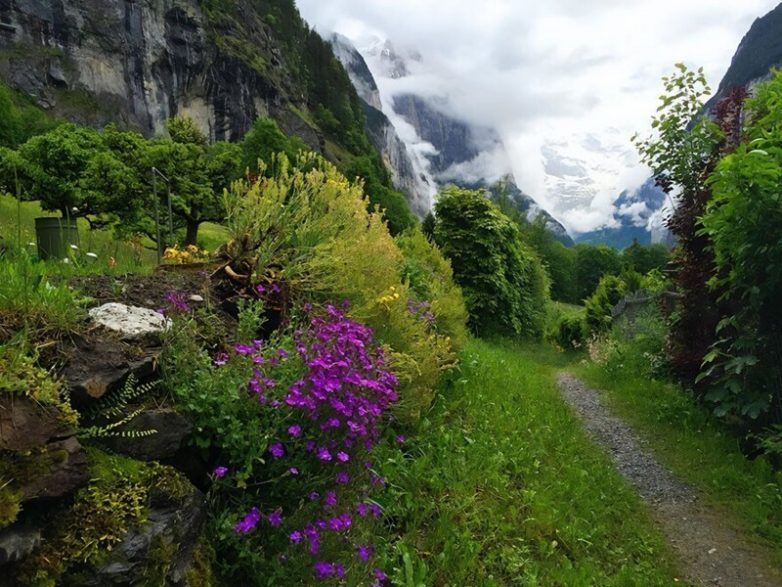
x=197, y=299
x=26, y=425
x=17, y=542
x=171, y=428
x=131, y=322
x=99, y=365
x=64, y=468
x=170, y=536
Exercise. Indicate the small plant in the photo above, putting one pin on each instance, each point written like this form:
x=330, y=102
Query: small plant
x=113, y=412
x=188, y=254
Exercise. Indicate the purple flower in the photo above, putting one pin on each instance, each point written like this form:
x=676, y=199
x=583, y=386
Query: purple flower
x=277, y=450
x=377, y=511
x=343, y=457
x=221, y=359
x=260, y=289
x=339, y=570
x=220, y=472
x=178, y=300
x=275, y=518
x=364, y=552
x=243, y=349
x=380, y=575
x=400, y=439
x=249, y=522
x=295, y=537
x=293, y=471
x=276, y=288
x=323, y=570
x=361, y=508
x=342, y=478
x=330, y=499
x=314, y=495
x=294, y=430
x=324, y=454
x=282, y=353
x=307, y=307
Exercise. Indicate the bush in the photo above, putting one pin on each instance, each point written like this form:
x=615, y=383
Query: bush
x=600, y=304
x=430, y=277
x=570, y=333
x=310, y=227
x=504, y=284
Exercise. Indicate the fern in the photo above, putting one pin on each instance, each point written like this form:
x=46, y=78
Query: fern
x=113, y=411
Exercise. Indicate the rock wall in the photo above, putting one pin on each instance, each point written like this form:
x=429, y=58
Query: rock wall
x=141, y=62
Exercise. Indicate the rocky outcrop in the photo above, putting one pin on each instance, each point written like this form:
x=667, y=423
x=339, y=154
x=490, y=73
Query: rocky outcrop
x=760, y=51
x=139, y=63
x=397, y=159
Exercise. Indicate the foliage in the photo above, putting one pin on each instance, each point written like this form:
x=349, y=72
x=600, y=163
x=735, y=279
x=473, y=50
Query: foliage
x=20, y=118
x=316, y=398
x=113, y=411
x=499, y=486
x=599, y=305
x=310, y=228
x=643, y=259
x=504, y=284
x=559, y=260
x=592, y=264
x=264, y=140
x=681, y=154
x=742, y=223
x=570, y=332
x=20, y=374
x=376, y=186
x=115, y=501
x=29, y=299
x=430, y=277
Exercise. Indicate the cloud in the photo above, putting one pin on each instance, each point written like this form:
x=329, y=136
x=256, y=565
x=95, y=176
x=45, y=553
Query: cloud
x=579, y=77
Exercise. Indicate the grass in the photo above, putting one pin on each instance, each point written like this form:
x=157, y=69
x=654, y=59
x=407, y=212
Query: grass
x=17, y=226
x=697, y=448
x=500, y=486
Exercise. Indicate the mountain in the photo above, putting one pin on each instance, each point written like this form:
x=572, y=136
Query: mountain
x=638, y=217
x=404, y=173
x=759, y=51
x=445, y=149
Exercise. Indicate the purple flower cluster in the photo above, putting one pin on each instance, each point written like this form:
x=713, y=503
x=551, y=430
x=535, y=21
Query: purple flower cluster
x=178, y=301
x=334, y=416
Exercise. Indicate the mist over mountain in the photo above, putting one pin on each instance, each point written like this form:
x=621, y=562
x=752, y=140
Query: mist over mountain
x=440, y=148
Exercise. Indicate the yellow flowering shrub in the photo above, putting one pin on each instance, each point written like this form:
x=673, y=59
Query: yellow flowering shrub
x=188, y=254
x=312, y=227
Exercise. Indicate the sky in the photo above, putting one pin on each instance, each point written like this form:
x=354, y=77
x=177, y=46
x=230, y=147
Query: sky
x=565, y=82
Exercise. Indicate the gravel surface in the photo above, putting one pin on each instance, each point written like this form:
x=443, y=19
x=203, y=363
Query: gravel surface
x=711, y=551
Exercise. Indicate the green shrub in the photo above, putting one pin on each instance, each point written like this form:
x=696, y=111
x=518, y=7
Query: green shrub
x=570, y=333
x=310, y=227
x=430, y=277
x=504, y=284
x=599, y=305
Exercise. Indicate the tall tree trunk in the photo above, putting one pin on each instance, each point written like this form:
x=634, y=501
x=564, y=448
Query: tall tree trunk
x=192, y=232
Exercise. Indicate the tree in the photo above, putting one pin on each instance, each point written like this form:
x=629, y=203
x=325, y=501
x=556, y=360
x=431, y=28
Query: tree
x=592, y=263
x=682, y=153
x=264, y=140
x=504, y=284
x=70, y=170
x=560, y=261
x=642, y=259
x=742, y=222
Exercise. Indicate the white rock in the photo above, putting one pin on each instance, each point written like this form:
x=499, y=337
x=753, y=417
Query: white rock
x=131, y=322
x=196, y=298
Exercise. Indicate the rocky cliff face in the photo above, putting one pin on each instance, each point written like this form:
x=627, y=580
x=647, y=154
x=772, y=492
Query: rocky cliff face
x=141, y=62
x=760, y=51
x=382, y=132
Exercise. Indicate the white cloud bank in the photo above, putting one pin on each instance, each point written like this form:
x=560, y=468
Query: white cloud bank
x=565, y=80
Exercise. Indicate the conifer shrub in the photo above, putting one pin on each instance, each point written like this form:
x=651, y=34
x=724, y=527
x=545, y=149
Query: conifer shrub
x=505, y=286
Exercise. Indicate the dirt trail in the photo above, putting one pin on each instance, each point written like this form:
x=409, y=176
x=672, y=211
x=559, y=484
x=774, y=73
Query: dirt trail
x=711, y=552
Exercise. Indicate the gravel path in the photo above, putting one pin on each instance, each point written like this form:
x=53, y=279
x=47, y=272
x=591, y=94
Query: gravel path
x=711, y=552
